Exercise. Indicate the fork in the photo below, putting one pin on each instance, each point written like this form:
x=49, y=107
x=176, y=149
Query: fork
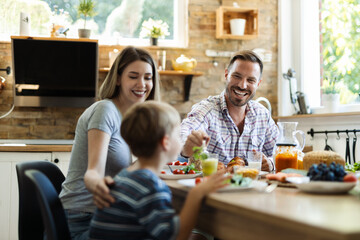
x=270, y=188
x=170, y=169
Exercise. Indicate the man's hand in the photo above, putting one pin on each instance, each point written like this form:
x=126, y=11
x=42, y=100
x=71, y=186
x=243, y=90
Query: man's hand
x=195, y=139
x=102, y=197
x=266, y=164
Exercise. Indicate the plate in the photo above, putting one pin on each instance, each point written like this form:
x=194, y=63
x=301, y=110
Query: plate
x=263, y=173
x=170, y=176
x=173, y=167
x=326, y=187
x=230, y=188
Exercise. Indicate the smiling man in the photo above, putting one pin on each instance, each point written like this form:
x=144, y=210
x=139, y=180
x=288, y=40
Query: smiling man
x=231, y=122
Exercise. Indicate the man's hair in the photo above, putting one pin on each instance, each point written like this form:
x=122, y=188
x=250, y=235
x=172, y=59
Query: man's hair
x=145, y=124
x=247, y=55
x=128, y=55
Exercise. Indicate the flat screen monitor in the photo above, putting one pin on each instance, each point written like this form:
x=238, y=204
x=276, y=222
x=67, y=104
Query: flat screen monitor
x=54, y=72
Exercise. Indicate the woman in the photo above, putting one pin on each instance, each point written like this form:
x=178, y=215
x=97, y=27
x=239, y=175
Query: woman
x=99, y=149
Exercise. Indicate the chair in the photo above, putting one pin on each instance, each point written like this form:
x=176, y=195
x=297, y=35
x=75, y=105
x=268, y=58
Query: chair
x=52, y=211
x=30, y=220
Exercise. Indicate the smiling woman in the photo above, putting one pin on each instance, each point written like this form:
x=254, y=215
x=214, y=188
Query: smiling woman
x=116, y=22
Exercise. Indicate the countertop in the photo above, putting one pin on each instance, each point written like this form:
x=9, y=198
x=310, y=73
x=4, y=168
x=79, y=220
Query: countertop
x=35, y=145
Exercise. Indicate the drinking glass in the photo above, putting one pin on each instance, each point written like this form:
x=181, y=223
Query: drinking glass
x=209, y=165
x=255, y=160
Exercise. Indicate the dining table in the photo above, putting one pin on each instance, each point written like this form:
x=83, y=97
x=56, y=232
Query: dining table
x=285, y=213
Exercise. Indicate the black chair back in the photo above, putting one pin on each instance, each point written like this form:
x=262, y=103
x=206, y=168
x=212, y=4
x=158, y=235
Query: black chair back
x=30, y=220
x=52, y=211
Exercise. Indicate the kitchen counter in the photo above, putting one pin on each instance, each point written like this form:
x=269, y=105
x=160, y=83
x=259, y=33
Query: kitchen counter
x=35, y=145
x=283, y=214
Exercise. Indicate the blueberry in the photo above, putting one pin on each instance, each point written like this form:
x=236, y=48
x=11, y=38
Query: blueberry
x=330, y=176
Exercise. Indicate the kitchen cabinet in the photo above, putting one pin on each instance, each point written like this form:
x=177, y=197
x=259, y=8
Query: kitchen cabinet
x=223, y=16
x=9, y=196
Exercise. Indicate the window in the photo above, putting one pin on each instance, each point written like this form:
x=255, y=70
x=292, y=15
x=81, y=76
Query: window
x=319, y=39
x=116, y=21
x=340, y=31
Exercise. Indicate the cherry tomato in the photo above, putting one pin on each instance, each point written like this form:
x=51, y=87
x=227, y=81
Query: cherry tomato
x=198, y=180
x=170, y=163
x=177, y=163
x=181, y=172
x=163, y=172
x=350, y=178
x=184, y=164
x=176, y=171
x=191, y=172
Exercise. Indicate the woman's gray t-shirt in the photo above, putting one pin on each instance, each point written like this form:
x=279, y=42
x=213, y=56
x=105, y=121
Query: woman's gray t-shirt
x=105, y=116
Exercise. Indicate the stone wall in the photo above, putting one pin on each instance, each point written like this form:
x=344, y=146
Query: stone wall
x=59, y=123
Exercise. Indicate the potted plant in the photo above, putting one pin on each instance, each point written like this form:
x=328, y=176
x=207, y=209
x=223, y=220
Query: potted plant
x=85, y=9
x=154, y=29
x=330, y=94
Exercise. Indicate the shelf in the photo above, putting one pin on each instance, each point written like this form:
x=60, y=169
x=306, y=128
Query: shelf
x=319, y=115
x=187, y=82
x=225, y=14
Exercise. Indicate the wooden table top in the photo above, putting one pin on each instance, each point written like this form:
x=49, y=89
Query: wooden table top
x=286, y=213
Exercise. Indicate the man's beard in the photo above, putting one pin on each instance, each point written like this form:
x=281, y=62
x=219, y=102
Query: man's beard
x=237, y=102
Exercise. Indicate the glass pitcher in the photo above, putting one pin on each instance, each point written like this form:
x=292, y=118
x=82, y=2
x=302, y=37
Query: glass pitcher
x=288, y=148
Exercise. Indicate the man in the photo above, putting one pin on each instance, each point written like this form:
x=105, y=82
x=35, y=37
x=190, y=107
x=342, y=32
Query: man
x=231, y=123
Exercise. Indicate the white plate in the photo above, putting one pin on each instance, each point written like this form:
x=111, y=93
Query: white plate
x=230, y=188
x=173, y=167
x=170, y=176
x=326, y=187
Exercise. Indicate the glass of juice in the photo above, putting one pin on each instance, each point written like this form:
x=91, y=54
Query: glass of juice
x=209, y=165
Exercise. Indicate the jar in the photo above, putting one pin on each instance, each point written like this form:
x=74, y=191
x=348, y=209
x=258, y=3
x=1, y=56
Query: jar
x=286, y=157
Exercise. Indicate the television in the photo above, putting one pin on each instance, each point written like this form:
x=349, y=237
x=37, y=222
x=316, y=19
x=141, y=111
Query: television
x=54, y=72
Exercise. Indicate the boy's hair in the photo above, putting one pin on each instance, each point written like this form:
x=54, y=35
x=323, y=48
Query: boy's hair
x=145, y=124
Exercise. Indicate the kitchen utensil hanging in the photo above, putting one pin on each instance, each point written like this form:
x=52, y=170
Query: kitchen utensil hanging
x=327, y=147
x=347, y=151
x=354, y=146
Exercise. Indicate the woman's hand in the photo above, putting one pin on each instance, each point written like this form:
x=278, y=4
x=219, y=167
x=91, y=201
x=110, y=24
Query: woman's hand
x=102, y=196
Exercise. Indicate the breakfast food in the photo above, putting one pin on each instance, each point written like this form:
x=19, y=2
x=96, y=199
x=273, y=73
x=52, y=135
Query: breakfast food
x=177, y=163
x=197, y=163
x=281, y=177
x=220, y=166
x=317, y=157
x=321, y=172
x=236, y=161
x=248, y=172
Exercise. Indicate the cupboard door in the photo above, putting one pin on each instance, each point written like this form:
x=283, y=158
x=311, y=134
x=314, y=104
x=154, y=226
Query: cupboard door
x=9, y=190
x=62, y=160
x=5, y=177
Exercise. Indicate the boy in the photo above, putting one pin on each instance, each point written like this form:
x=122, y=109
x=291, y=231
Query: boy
x=143, y=201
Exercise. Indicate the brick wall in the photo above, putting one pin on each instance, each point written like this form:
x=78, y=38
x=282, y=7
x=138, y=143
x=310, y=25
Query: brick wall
x=59, y=123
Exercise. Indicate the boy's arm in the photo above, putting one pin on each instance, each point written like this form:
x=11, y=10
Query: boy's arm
x=190, y=211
